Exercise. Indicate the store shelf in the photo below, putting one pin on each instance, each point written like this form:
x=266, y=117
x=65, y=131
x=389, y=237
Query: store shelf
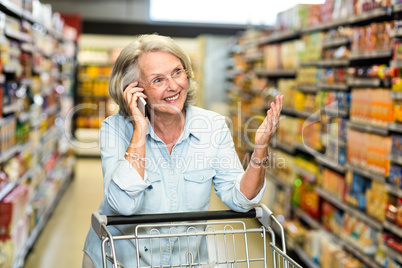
x=305, y=174
x=397, y=159
x=345, y=244
x=276, y=73
x=396, y=127
x=396, y=32
x=374, y=223
x=351, y=84
x=366, y=173
x=331, y=198
x=364, y=82
x=288, y=111
x=394, y=190
x=393, y=254
x=325, y=26
x=304, y=257
x=331, y=163
x=334, y=111
x=7, y=154
x=326, y=63
x=272, y=177
x=334, y=86
x=280, y=37
x=370, y=262
x=12, y=108
x=368, y=128
x=336, y=42
x=371, y=55
x=368, y=16
x=19, y=261
x=15, y=34
x=284, y=147
x=313, y=223
x=395, y=229
x=253, y=57
x=396, y=95
x=307, y=89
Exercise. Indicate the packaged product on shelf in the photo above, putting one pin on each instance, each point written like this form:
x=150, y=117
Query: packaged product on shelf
x=360, y=235
x=327, y=10
x=310, y=200
x=312, y=49
x=7, y=133
x=288, y=131
x=378, y=196
x=395, y=176
x=342, y=9
x=369, y=151
x=286, y=172
x=307, y=76
x=272, y=59
x=334, y=183
x=312, y=245
x=394, y=242
x=393, y=212
x=396, y=144
x=287, y=87
x=365, y=6
x=309, y=135
x=373, y=106
x=314, y=15
x=332, y=255
x=356, y=190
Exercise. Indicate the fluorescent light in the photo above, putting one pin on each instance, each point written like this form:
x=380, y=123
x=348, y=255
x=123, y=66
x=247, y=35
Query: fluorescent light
x=254, y=12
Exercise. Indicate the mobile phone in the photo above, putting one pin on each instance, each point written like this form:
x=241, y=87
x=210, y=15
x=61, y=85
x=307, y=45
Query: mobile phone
x=141, y=104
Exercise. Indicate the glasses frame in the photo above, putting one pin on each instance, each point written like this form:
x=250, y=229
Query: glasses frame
x=165, y=79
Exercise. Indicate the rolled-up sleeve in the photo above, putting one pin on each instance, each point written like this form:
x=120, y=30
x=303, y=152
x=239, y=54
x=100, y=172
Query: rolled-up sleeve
x=123, y=185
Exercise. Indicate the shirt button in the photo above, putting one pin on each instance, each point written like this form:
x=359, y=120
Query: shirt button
x=171, y=172
x=173, y=195
x=175, y=149
x=202, y=178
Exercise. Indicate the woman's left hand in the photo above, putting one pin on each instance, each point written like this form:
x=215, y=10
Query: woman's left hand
x=271, y=122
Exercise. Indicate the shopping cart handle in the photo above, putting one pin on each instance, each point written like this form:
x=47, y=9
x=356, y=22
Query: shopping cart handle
x=178, y=217
x=261, y=212
x=97, y=221
x=264, y=215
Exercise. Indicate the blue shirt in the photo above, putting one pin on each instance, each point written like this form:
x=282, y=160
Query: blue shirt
x=176, y=182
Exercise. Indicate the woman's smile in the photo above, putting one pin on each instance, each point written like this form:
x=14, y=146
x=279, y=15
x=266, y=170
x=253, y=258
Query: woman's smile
x=173, y=98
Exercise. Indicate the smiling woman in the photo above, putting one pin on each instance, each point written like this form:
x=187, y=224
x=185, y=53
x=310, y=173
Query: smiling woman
x=142, y=170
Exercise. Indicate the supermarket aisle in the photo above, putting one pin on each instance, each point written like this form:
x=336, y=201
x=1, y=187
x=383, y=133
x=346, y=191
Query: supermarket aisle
x=61, y=242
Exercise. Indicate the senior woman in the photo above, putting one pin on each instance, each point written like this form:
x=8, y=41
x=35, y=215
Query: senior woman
x=167, y=161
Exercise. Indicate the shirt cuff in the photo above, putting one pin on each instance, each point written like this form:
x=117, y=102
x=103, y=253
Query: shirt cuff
x=128, y=179
x=244, y=201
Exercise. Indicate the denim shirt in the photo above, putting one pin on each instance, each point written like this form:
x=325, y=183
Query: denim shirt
x=176, y=182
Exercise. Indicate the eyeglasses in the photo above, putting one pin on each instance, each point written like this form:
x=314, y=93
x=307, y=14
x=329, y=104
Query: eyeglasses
x=161, y=82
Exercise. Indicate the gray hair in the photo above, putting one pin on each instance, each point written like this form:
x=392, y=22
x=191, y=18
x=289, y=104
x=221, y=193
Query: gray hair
x=126, y=69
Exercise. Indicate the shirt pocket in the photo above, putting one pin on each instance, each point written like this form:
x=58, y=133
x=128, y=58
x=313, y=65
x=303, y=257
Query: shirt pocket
x=197, y=189
x=153, y=194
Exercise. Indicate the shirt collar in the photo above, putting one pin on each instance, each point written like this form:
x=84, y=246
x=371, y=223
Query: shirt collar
x=188, y=128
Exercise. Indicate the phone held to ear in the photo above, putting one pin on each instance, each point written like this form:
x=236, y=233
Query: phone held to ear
x=141, y=104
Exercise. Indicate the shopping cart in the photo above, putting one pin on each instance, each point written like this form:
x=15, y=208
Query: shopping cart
x=228, y=242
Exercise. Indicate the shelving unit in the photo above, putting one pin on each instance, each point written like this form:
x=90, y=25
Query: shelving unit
x=325, y=139
x=37, y=82
x=92, y=96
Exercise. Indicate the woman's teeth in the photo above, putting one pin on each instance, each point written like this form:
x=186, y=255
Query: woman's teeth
x=173, y=98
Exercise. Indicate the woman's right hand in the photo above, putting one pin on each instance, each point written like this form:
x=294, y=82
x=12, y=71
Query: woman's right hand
x=131, y=94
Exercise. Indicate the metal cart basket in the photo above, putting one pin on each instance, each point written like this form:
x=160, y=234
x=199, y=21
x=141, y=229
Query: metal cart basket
x=227, y=241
